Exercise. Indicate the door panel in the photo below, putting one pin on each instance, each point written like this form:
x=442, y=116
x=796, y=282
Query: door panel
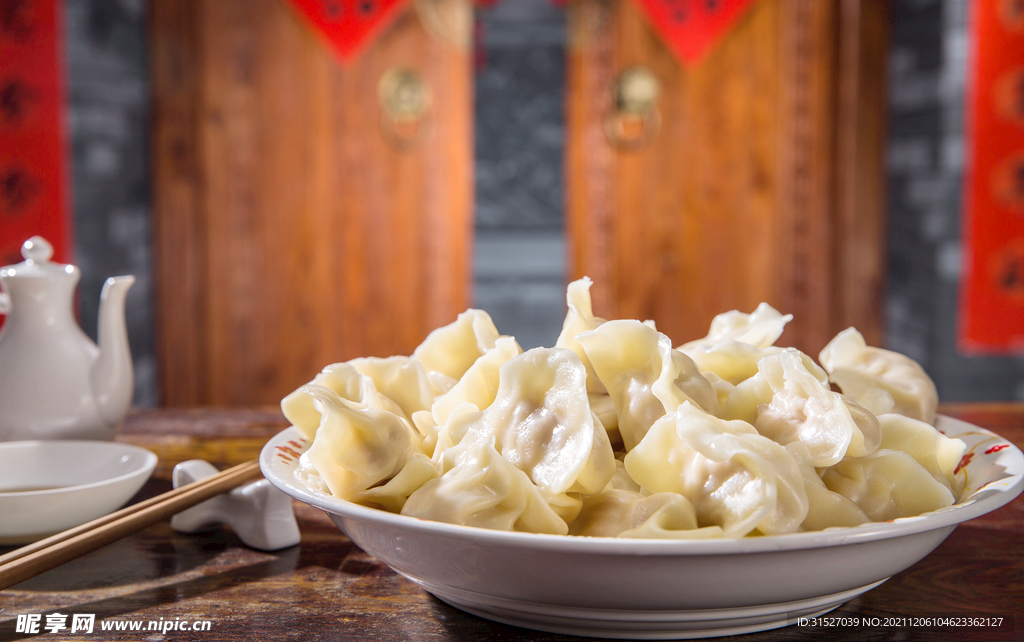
x=762, y=183
x=291, y=230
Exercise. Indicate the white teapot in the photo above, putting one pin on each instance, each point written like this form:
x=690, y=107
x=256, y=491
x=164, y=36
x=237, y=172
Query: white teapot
x=55, y=383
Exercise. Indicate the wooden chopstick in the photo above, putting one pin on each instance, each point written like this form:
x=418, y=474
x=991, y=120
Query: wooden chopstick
x=33, y=559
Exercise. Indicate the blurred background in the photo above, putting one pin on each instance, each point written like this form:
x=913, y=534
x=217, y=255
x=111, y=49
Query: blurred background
x=514, y=170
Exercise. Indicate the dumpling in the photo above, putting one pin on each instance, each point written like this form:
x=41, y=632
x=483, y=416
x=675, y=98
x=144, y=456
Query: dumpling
x=736, y=361
x=355, y=449
x=645, y=377
x=761, y=328
x=463, y=418
x=825, y=509
x=726, y=436
x=880, y=380
x=939, y=454
x=688, y=381
x=621, y=513
x=400, y=379
x=440, y=383
x=734, y=477
x=393, y=495
x=621, y=479
x=423, y=422
x=479, y=385
x=483, y=489
x=721, y=387
x=453, y=348
x=604, y=409
x=541, y=422
x=732, y=361
x=787, y=403
x=888, y=484
x=354, y=388
x=580, y=318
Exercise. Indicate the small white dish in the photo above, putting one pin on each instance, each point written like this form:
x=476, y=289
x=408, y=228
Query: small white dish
x=656, y=589
x=50, y=486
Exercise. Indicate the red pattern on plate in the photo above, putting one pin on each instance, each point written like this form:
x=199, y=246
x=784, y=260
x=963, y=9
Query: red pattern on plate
x=286, y=453
x=963, y=462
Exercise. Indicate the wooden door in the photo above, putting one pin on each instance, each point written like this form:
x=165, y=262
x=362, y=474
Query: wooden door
x=292, y=229
x=763, y=182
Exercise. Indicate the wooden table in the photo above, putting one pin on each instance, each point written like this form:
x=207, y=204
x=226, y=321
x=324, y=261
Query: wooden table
x=327, y=589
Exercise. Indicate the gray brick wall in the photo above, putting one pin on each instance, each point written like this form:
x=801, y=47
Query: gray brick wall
x=106, y=67
x=520, y=251
x=927, y=84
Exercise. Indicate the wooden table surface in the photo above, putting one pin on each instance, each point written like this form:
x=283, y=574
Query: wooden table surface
x=327, y=589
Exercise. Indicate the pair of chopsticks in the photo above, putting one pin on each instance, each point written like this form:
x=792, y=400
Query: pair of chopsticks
x=39, y=557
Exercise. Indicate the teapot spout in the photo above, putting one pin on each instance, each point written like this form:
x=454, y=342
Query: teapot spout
x=112, y=373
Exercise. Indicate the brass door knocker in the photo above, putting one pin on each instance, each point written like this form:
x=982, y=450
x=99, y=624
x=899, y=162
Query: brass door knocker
x=404, y=108
x=636, y=121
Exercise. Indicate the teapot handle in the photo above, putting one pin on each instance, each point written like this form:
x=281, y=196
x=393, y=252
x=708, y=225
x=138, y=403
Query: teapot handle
x=5, y=303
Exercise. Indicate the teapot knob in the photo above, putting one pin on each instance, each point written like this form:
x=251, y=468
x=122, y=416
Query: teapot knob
x=37, y=249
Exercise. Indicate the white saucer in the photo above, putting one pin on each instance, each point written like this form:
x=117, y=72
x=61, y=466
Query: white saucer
x=50, y=486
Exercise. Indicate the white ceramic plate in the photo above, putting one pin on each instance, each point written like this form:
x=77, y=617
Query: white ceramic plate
x=653, y=589
x=50, y=486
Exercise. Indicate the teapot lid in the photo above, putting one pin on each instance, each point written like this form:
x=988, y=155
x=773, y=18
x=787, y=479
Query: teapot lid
x=37, y=252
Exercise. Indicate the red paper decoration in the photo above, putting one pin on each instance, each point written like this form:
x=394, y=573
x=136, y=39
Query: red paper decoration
x=348, y=25
x=33, y=152
x=992, y=311
x=690, y=28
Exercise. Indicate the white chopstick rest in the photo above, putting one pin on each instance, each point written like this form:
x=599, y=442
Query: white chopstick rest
x=259, y=513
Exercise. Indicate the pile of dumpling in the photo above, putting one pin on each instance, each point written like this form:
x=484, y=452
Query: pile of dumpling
x=615, y=433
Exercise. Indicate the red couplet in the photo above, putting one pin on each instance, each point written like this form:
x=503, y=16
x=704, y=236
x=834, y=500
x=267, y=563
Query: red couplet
x=992, y=296
x=33, y=141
